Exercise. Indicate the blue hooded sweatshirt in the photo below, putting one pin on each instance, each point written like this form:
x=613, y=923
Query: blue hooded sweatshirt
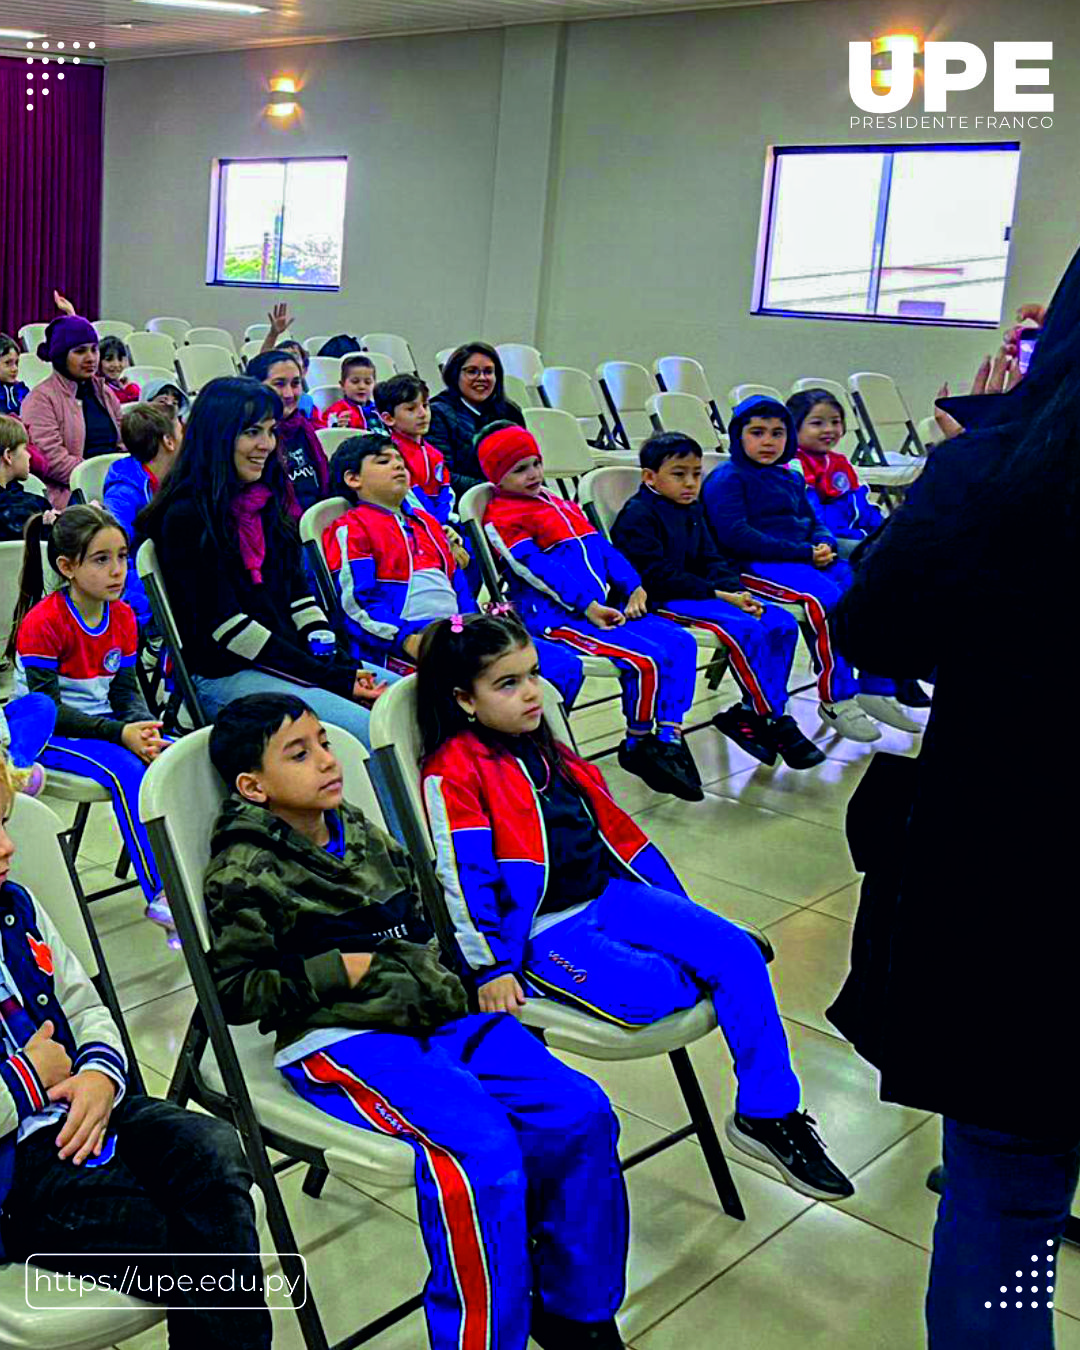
x=761, y=511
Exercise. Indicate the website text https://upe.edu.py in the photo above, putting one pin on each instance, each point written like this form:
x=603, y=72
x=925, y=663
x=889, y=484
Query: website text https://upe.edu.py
x=227, y=1280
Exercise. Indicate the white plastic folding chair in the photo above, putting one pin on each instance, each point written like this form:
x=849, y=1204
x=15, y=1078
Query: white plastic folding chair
x=152, y=349
x=31, y=335
x=32, y=369
x=567, y=454
x=627, y=388
x=852, y=441
x=312, y=524
x=175, y=328
x=710, y=460
x=88, y=477
x=142, y=375
x=39, y=1313
x=517, y=391
x=521, y=360
x=684, y=375
x=738, y=392
x=884, y=417
x=571, y=390
x=332, y=438
x=248, y=350
x=214, y=337
x=314, y=344
x=391, y=345
x=325, y=395
x=184, y=691
x=395, y=739
x=442, y=357
x=33, y=484
x=685, y=413
x=385, y=366
x=324, y=370
x=199, y=363
x=929, y=432
x=256, y=332
x=229, y=1071
x=113, y=328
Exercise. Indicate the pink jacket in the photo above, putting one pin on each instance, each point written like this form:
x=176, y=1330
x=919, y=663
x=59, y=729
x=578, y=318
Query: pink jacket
x=54, y=419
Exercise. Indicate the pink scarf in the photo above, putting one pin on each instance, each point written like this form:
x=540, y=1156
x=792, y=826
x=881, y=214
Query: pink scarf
x=246, y=511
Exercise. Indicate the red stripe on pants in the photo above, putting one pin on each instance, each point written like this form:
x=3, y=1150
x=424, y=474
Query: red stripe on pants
x=741, y=668
x=815, y=614
x=644, y=666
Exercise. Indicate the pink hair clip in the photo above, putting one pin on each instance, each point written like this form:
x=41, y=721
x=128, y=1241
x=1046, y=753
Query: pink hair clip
x=503, y=607
x=457, y=623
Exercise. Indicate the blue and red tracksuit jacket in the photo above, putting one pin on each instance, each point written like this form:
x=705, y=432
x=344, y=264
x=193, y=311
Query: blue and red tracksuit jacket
x=492, y=849
x=368, y=553
x=430, y=477
x=558, y=562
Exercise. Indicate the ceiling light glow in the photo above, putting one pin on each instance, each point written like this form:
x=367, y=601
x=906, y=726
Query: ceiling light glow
x=219, y=6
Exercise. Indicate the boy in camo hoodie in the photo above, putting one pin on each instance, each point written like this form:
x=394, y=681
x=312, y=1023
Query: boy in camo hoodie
x=320, y=936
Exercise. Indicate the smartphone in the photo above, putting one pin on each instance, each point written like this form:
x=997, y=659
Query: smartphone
x=1028, y=339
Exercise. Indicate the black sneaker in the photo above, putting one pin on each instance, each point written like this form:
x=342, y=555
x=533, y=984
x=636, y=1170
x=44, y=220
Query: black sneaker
x=912, y=695
x=796, y=750
x=795, y=1149
x=748, y=730
x=552, y=1332
x=661, y=767
x=686, y=761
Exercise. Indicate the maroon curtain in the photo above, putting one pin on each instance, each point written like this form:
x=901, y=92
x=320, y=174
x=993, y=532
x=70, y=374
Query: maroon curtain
x=50, y=204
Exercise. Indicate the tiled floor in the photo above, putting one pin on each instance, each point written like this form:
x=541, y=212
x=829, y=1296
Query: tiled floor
x=766, y=847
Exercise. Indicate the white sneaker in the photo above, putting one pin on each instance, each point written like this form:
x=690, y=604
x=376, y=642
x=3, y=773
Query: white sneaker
x=885, y=709
x=848, y=719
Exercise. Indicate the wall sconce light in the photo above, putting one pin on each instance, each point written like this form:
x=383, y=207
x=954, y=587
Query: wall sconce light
x=283, y=101
x=881, y=57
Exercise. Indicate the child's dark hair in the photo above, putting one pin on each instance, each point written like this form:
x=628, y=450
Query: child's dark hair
x=801, y=404
x=665, y=445
x=70, y=537
x=452, y=660
x=349, y=458
x=243, y=729
x=297, y=349
x=8, y=344
x=455, y=364
x=260, y=365
x=142, y=430
x=398, y=389
x=113, y=347
x=349, y=362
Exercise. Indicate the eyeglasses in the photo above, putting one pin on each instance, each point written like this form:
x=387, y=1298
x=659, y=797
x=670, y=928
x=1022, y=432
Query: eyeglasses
x=474, y=372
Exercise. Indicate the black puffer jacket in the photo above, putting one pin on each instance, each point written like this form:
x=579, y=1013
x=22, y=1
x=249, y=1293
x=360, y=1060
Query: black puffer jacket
x=454, y=429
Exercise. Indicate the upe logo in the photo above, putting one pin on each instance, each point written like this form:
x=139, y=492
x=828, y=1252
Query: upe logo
x=968, y=72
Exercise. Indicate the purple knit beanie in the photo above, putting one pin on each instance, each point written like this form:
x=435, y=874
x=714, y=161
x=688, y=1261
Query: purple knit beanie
x=64, y=333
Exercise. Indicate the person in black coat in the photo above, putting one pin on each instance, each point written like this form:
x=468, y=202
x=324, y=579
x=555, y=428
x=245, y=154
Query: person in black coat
x=962, y=987
x=472, y=400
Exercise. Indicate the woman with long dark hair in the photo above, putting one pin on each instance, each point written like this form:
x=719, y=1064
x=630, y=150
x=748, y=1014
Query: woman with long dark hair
x=962, y=989
x=472, y=400
x=233, y=567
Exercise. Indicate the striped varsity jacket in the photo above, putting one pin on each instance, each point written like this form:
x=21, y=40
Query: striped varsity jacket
x=557, y=561
x=492, y=849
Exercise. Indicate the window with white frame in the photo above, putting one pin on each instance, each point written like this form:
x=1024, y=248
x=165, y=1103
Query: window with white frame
x=277, y=222
x=900, y=234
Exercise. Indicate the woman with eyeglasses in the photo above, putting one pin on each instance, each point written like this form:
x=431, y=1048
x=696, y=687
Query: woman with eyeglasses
x=472, y=400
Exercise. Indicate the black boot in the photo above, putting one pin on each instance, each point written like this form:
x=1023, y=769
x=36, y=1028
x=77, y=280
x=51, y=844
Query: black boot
x=561, y=1333
x=659, y=766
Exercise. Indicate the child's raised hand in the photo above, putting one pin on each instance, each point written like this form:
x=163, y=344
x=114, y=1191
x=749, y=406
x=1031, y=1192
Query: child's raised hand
x=51, y=1061
x=62, y=304
x=604, y=616
x=501, y=995
x=636, y=605
x=280, y=319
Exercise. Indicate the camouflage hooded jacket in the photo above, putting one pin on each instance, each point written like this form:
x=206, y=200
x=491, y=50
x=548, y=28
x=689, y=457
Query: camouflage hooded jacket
x=284, y=910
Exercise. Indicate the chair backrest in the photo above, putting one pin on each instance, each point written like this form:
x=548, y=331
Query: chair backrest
x=11, y=560
x=562, y=442
x=517, y=392
x=570, y=390
x=332, y=438
x=31, y=335
x=142, y=375
x=177, y=329
x=182, y=794
x=113, y=328
x=249, y=349
x=710, y=460
x=686, y=413
x=850, y=442
x=928, y=429
x=312, y=524
x=738, y=392
x=256, y=332
x=213, y=337
x=88, y=477
x=393, y=346
x=200, y=363
x=39, y=865
x=33, y=484
x=683, y=375
x=607, y=491
x=316, y=342
x=522, y=361
x=32, y=369
x=471, y=508
x=441, y=358
x=153, y=580
x=385, y=366
x=325, y=396
x=152, y=349
x=324, y=370
x=629, y=385
x=881, y=398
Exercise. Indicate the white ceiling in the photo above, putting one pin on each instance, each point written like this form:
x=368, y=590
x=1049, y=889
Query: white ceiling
x=123, y=29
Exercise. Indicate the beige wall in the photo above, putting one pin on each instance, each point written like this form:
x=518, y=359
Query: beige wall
x=594, y=187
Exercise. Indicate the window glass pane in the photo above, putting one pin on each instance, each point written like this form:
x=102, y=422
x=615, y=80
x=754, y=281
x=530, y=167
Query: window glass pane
x=945, y=250
x=251, y=221
x=824, y=211
x=314, y=223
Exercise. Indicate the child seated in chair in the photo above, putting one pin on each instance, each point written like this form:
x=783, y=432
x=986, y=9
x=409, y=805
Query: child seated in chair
x=356, y=408
x=320, y=936
x=17, y=505
x=395, y=568
x=554, y=890
x=402, y=402
x=101, y=1175
x=663, y=532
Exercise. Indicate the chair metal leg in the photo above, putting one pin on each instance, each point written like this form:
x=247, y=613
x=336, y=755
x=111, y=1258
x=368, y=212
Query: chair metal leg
x=123, y=864
x=314, y=1181
x=722, y=1179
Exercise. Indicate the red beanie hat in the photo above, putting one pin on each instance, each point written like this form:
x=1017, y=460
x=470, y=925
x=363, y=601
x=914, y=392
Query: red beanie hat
x=499, y=452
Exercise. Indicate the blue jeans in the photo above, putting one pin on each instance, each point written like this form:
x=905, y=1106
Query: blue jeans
x=328, y=707
x=1004, y=1208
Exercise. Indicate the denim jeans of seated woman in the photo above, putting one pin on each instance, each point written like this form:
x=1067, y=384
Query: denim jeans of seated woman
x=328, y=707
